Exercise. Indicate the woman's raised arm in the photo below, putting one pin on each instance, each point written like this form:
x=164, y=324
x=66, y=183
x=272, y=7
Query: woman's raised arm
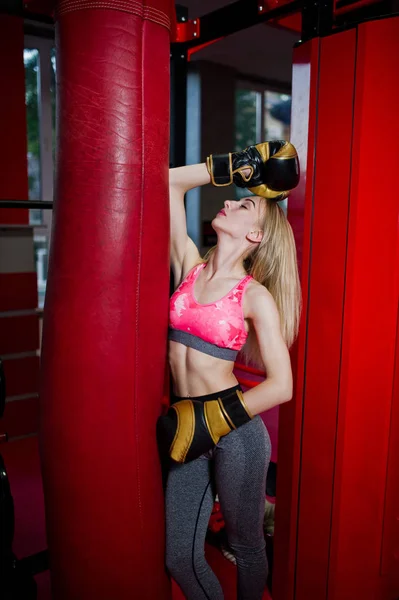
x=183, y=252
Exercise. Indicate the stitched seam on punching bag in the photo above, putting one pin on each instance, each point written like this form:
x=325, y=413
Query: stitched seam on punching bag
x=128, y=6
x=138, y=290
x=148, y=13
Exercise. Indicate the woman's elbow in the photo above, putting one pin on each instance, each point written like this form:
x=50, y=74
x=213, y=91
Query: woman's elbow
x=286, y=393
x=288, y=397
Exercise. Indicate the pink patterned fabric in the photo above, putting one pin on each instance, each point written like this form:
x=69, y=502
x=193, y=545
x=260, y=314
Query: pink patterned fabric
x=220, y=323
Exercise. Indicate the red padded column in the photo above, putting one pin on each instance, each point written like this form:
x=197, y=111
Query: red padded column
x=337, y=533
x=106, y=313
x=367, y=436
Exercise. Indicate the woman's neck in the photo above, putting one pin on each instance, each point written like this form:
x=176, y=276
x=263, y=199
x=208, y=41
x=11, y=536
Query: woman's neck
x=226, y=262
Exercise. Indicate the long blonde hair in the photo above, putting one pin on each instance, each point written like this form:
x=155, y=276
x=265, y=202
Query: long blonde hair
x=273, y=263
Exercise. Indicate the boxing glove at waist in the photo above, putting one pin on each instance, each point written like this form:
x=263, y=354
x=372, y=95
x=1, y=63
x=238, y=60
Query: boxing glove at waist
x=193, y=427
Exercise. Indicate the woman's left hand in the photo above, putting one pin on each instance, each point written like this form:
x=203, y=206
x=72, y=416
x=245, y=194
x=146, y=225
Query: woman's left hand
x=191, y=428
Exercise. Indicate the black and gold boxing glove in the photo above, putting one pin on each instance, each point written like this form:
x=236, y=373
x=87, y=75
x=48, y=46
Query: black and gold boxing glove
x=274, y=169
x=191, y=428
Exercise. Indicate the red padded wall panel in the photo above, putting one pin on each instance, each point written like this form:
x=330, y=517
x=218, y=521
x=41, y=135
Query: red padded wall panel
x=22, y=374
x=390, y=547
x=23, y=469
x=105, y=322
x=19, y=334
x=21, y=417
x=370, y=314
x=333, y=141
x=337, y=510
x=18, y=291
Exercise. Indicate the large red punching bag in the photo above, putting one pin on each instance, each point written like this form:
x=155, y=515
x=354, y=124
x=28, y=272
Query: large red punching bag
x=106, y=310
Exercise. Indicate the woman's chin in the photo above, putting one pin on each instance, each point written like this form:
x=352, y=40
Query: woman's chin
x=217, y=220
x=219, y=226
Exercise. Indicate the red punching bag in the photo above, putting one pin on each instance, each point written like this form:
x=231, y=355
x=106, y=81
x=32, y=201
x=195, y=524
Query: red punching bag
x=106, y=309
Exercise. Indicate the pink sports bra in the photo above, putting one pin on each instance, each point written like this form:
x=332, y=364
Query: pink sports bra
x=216, y=328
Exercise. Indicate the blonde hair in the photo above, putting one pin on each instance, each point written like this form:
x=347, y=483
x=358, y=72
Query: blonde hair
x=273, y=263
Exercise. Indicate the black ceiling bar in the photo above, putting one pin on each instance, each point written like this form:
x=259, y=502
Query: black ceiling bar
x=377, y=10
x=18, y=9
x=39, y=29
x=41, y=204
x=317, y=19
x=219, y=23
x=236, y=17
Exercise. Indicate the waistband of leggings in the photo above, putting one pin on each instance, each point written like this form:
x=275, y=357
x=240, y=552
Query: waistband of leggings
x=213, y=396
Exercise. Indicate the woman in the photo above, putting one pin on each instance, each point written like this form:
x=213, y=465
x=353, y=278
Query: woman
x=246, y=291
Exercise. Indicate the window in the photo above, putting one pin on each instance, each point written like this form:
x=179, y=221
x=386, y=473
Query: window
x=277, y=116
x=248, y=118
x=39, y=60
x=31, y=62
x=261, y=114
x=40, y=244
x=53, y=96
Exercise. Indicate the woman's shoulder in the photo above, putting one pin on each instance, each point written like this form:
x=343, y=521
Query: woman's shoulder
x=258, y=298
x=254, y=288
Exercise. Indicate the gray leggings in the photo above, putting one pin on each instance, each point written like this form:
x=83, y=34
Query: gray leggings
x=236, y=470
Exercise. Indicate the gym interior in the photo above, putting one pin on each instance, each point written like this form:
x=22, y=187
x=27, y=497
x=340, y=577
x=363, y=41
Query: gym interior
x=204, y=76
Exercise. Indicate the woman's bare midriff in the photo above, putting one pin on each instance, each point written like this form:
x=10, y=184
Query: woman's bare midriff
x=196, y=374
